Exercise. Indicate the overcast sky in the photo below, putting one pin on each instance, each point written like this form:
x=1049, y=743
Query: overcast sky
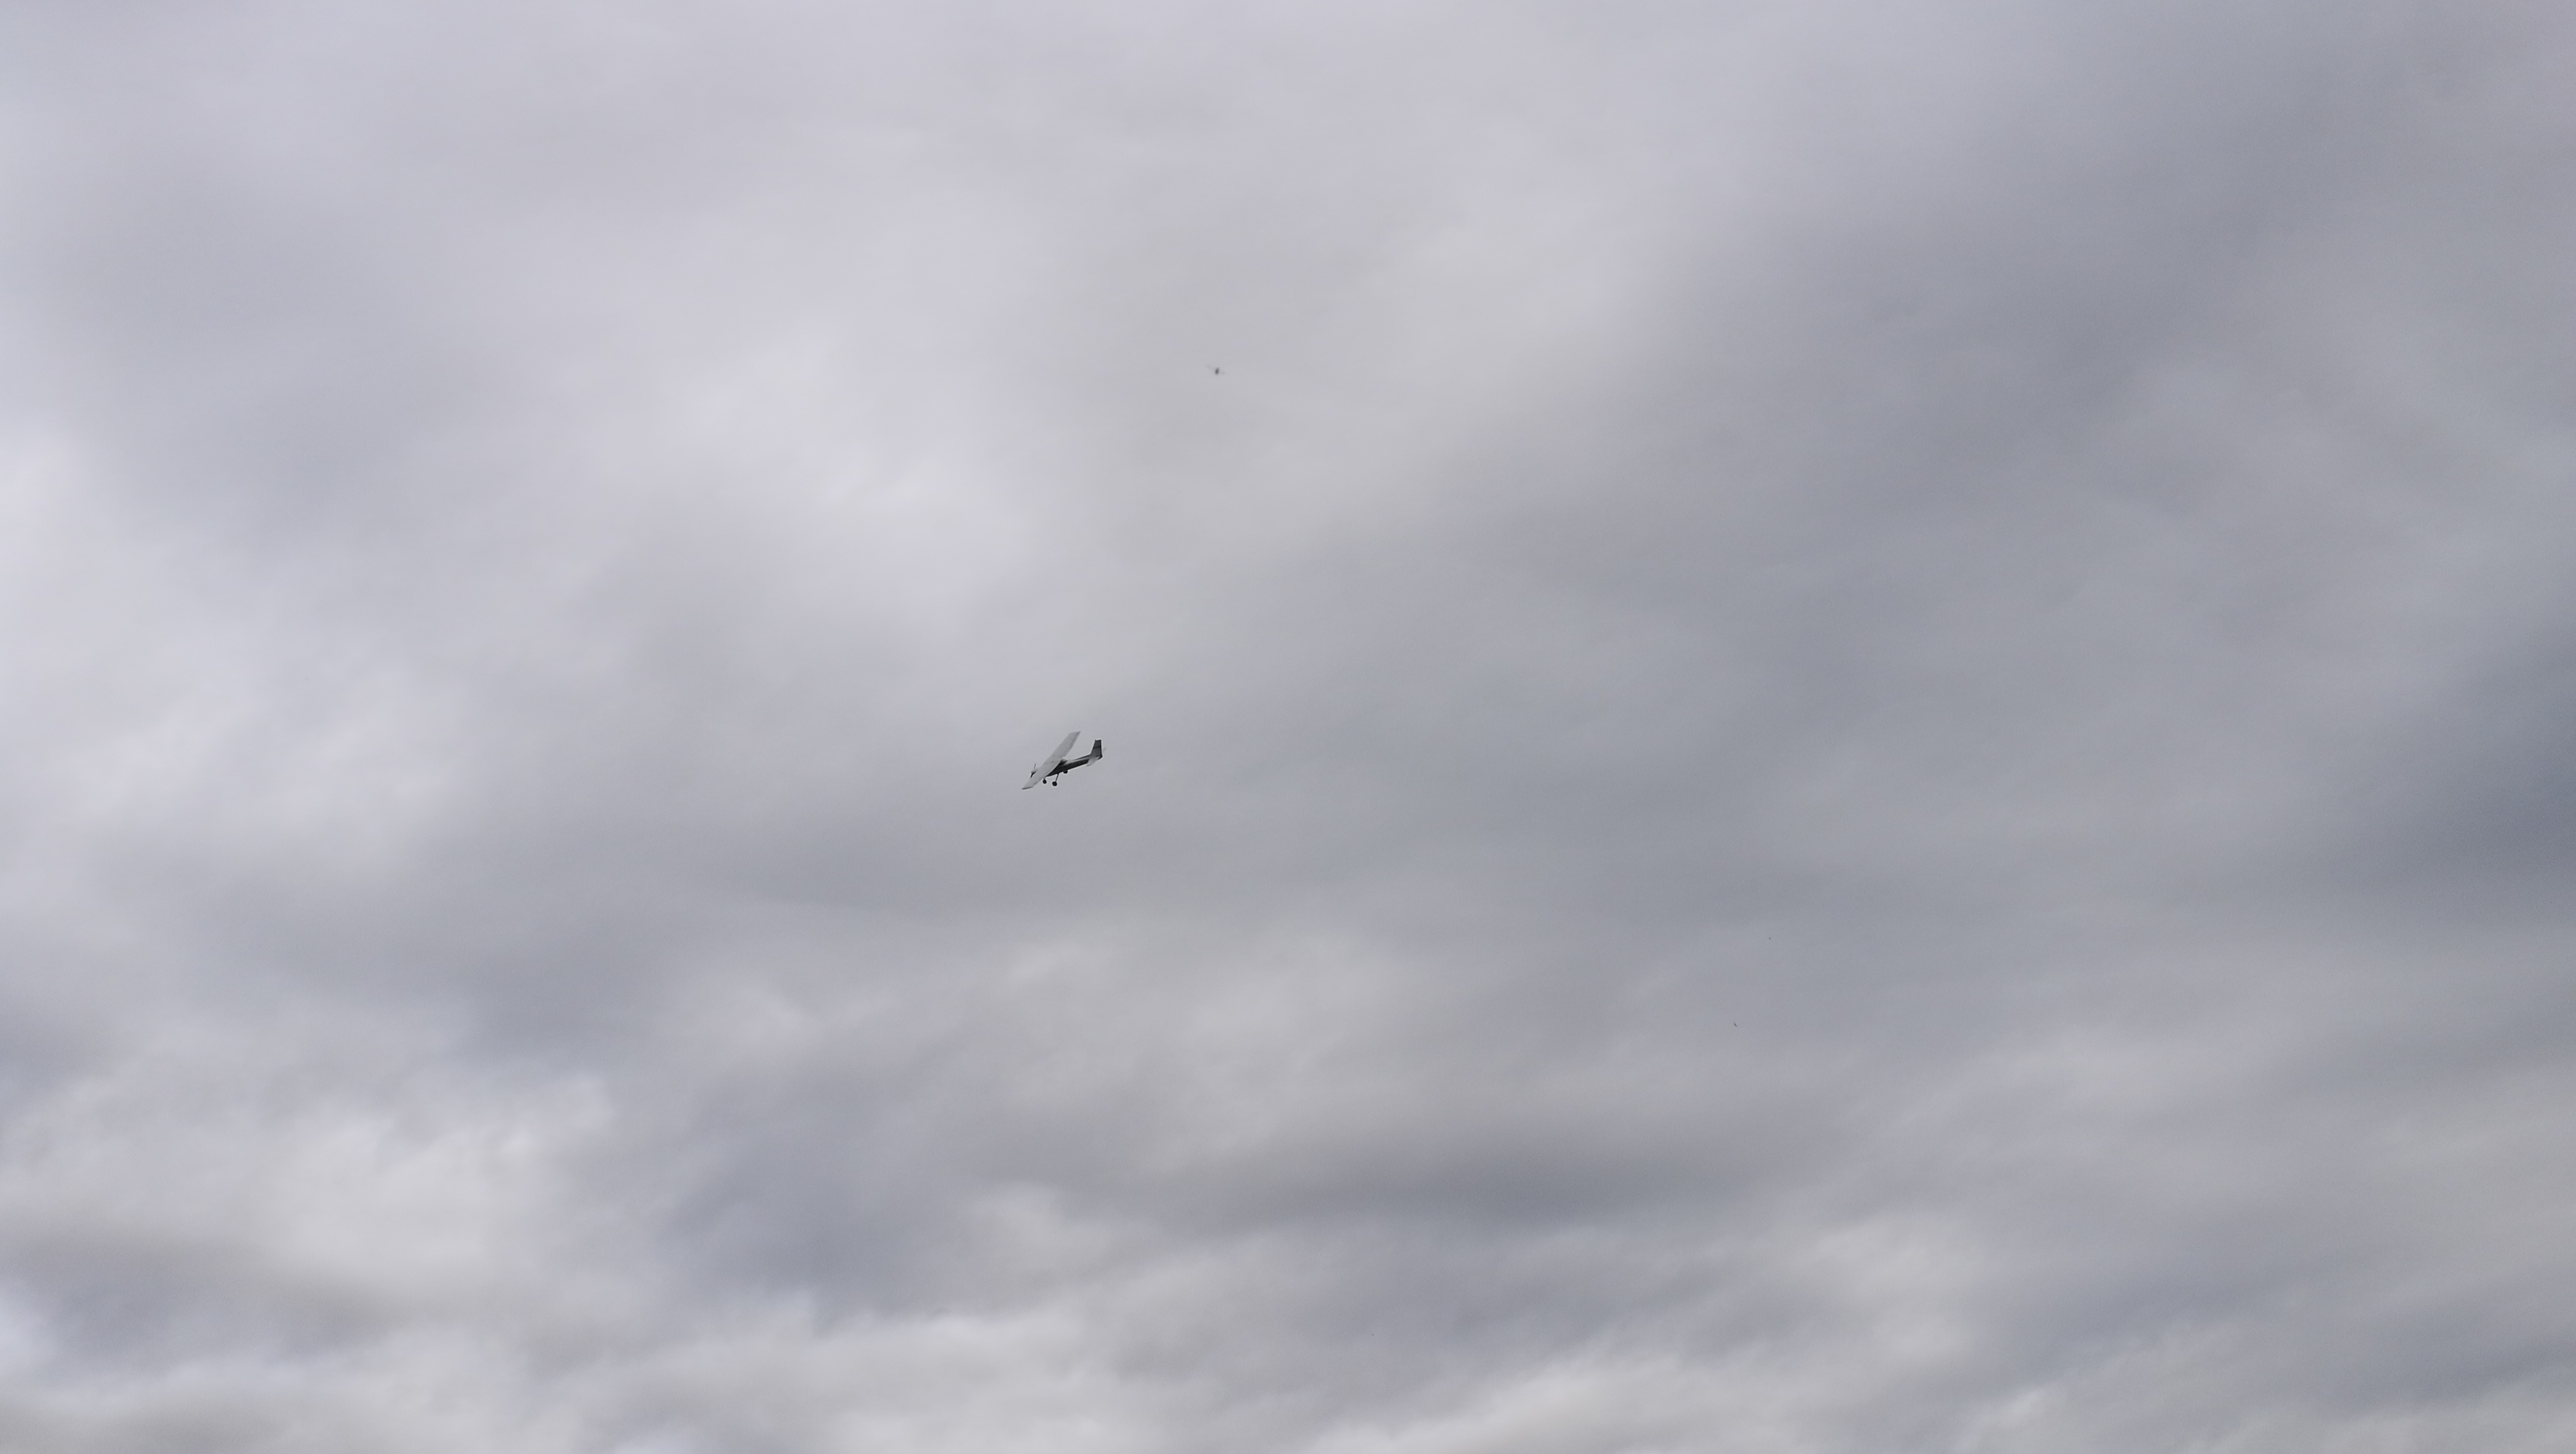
x=1847, y=729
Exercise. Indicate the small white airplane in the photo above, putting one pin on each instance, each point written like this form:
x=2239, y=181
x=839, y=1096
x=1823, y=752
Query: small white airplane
x=1052, y=767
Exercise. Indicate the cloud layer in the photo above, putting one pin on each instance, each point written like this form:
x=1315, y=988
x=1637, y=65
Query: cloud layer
x=1831, y=727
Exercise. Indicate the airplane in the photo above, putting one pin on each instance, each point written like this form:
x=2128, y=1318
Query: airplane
x=1052, y=767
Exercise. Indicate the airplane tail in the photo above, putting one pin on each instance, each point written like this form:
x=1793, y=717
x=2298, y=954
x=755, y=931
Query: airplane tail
x=1095, y=749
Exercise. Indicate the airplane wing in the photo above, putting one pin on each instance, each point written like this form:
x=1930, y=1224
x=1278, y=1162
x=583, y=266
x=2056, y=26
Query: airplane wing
x=1051, y=759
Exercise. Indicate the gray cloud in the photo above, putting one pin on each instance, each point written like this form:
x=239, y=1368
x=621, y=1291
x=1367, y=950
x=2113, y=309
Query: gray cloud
x=1838, y=733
